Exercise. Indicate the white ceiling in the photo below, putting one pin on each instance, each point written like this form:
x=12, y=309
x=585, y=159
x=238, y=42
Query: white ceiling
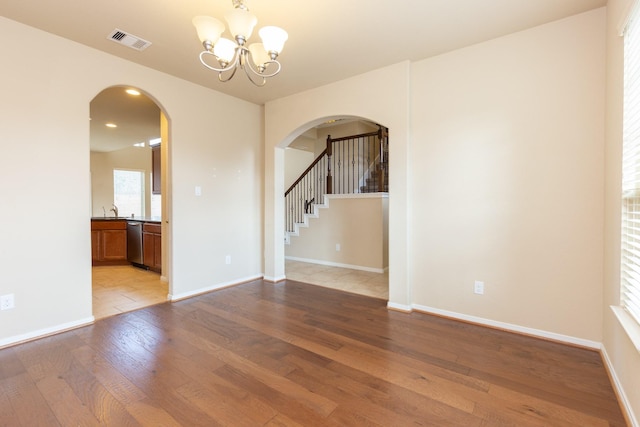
x=137, y=119
x=329, y=40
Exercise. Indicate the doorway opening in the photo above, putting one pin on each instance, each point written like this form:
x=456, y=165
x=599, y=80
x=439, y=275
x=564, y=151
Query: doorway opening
x=128, y=144
x=338, y=237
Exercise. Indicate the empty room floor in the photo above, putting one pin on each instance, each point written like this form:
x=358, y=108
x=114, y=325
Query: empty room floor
x=294, y=354
x=119, y=289
x=346, y=279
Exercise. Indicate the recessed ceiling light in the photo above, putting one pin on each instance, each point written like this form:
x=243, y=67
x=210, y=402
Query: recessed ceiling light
x=139, y=144
x=111, y=125
x=132, y=92
x=155, y=141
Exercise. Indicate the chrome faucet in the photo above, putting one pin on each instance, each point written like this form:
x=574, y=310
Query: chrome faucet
x=115, y=210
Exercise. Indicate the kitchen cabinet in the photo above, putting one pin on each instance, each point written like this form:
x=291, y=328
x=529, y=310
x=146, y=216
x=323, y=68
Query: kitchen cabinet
x=156, y=170
x=152, y=246
x=109, y=242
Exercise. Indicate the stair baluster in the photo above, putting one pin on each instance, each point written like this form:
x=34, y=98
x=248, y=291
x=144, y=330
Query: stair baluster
x=353, y=164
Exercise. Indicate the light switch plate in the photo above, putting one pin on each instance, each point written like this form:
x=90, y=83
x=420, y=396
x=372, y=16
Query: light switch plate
x=7, y=302
x=478, y=287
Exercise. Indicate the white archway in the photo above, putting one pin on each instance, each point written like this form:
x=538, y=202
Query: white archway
x=358, y=210
x=381, y=96
x=144, y=127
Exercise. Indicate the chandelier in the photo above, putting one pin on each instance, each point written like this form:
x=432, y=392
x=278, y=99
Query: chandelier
x=258, y=60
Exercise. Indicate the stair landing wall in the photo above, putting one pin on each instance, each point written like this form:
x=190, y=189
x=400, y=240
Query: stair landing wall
x=358, y=223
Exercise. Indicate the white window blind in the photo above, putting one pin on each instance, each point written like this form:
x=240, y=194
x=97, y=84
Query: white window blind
x=630, y=268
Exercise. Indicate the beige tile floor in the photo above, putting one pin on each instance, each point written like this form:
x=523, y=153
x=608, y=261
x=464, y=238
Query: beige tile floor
x=355, y=281
x=119, y=289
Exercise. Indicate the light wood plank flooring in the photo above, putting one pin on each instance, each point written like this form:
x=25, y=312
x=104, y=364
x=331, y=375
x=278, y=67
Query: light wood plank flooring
x=118, y=289
x=294, y=354
x=356, y=281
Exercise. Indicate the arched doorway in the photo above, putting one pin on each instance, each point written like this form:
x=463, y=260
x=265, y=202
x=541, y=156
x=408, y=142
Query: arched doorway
x=128, y=143
x=338, y=240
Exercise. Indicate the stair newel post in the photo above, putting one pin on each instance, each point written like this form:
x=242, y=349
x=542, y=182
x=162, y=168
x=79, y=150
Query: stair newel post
x=381, y=173
x=329, y=154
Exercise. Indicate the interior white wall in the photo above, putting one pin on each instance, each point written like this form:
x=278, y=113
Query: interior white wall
x=340, y=130
x=45, y=250
x=353, y=221
x=506, y=144
x=359, y=96
x=621, y=353
x=227, y=165
x=508, y=178
x=102, y=166
x=296, y=162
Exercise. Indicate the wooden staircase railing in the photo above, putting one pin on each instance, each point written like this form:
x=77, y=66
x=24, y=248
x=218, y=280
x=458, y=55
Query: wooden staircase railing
x=349, y=165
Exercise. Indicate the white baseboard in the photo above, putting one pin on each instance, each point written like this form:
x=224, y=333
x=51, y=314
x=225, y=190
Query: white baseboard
x=336, y=264
x=41, y=333
x=178, y=297
x=274, y=279
x=399, y=307
x=510, y=327
x=618, y=389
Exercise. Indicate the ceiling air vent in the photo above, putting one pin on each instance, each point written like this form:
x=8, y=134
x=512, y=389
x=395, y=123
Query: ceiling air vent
x=128, y=40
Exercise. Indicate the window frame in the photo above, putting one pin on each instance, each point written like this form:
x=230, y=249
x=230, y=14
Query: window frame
x=142, y=174
x=628, y=312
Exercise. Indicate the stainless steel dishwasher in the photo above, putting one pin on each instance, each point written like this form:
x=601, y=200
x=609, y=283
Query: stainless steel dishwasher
x=134, y=242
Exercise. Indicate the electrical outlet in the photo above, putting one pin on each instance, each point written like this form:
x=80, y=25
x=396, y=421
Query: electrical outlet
x=227, y=259
x=7, y=302
x=337, y=247
x=478, y=287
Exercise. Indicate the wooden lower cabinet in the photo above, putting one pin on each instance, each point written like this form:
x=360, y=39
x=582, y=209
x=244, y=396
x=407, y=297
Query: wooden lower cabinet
x=152, y=246
x=109, y=242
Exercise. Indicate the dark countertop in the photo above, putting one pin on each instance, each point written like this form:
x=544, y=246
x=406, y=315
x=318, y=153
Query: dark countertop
x=128, y=218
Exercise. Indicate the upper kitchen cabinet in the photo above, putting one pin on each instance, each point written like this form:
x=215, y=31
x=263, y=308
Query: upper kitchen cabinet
x=156, y=169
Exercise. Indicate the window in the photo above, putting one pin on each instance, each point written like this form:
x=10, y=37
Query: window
x=128, y=192
x=630, y=257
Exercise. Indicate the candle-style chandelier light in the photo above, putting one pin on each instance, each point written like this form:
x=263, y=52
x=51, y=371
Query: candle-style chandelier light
x=258, y=60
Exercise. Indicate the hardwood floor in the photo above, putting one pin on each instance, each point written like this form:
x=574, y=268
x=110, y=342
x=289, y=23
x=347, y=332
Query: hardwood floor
x=294, y=354
x=118, y=289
